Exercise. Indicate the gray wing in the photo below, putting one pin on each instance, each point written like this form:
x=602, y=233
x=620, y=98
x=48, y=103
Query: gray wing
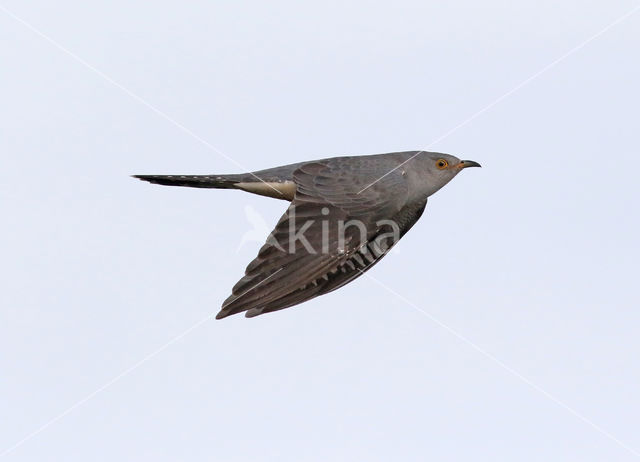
x=305, y=256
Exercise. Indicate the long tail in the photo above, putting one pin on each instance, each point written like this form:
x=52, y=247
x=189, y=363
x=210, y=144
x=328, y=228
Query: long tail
x=194, y=181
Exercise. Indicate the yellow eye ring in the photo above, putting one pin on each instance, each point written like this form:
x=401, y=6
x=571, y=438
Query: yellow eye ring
x=442, y=164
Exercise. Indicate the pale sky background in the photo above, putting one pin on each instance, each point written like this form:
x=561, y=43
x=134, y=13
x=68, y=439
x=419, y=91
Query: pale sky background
x=534, y=258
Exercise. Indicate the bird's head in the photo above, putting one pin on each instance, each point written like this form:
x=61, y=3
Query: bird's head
x=440, y=168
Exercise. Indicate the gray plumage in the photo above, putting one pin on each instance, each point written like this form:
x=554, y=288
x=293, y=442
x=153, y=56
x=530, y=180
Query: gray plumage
x=375, y=190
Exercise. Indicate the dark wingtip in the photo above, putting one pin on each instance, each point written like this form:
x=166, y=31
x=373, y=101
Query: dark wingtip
x=221, y=315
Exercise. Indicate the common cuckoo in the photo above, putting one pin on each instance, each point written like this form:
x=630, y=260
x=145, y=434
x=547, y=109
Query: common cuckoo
x=345, y=213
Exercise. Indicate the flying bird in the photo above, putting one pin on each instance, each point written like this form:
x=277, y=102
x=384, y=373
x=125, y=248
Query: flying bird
x=345, y=214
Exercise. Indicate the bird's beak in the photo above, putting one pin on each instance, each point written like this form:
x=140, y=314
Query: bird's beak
x=468, y=163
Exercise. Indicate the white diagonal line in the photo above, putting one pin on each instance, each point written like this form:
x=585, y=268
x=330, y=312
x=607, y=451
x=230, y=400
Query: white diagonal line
x=201, y=140
x=141, y=100
x=505, y=366
x=512, y=91
x=117, y=377
x=104, y=387
x=253, y=287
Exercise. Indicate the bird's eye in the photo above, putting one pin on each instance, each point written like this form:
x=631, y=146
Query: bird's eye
x=441, y=163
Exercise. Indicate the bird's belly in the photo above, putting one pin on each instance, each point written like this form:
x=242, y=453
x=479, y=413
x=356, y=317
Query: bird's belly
x=408, y=216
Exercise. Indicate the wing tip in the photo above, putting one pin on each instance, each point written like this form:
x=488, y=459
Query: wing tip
x=221, y=314
x=250, y=313
x=229, y=308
